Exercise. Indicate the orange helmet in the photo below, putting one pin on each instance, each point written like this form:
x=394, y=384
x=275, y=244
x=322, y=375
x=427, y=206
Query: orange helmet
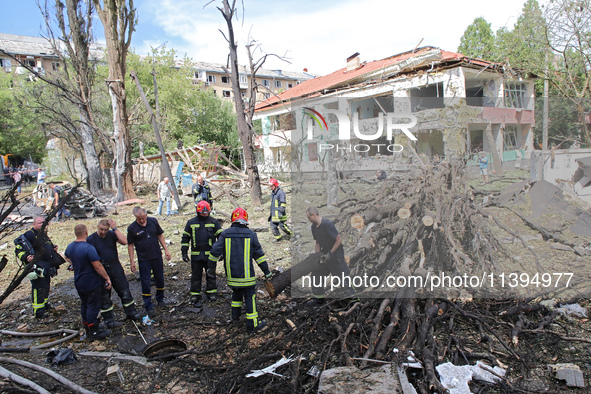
x=273, y=182
x=239, y=213
x=203, y=207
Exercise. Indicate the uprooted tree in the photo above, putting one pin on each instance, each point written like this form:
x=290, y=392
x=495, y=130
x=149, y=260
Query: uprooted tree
x=413, y=226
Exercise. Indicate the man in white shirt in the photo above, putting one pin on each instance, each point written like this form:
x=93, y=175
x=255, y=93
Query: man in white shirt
x=164, y=194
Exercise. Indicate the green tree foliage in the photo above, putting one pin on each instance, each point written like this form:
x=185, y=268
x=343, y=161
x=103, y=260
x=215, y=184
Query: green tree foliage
x=188, y=112
x=478, y=41
x=21, y=129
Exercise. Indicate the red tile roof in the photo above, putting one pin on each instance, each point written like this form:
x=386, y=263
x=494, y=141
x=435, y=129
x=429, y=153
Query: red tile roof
x=339, y=78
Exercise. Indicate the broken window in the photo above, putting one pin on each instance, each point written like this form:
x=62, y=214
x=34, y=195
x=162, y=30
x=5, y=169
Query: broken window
x=371, y=107
x=290, y=85
x=30, y=62
x=266, y=82
x=5, y=63
x=510, y=137
x=211, y=78
x=427, y=97
x=55, y=66
x=226, y=93
x=266, y=96
x=225, y=79
x=515, y=95
x=475, y=96
x=277, y=84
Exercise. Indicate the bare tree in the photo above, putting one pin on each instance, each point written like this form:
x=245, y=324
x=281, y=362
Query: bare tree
x=244, y=127
x=119, y=19
x=568, y=34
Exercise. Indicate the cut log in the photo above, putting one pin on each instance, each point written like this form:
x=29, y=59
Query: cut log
x=404, y=213
x=280, y=281
x=428, y=221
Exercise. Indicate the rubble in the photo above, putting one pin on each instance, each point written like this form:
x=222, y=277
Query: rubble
x=382, y=380
x=456, y=378
x=571, y=373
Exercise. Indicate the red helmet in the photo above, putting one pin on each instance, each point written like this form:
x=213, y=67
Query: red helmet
x=203, y=207
x=239, y=213
x=273, y=182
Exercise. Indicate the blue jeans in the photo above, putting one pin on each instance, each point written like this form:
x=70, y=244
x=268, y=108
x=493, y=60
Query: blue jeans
x=160, y=203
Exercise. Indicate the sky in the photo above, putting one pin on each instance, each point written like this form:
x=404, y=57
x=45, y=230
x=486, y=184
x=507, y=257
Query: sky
x=314, y=35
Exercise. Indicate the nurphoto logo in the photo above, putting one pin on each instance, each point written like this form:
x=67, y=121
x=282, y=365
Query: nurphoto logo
x=394, y=121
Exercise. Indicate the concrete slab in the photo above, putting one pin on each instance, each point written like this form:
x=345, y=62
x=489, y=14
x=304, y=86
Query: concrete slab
x=571, y=373
x=380, y=380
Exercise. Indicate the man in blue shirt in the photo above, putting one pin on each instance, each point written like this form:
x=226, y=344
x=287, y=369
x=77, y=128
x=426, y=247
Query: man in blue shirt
x=89, y=278
x=144, y=235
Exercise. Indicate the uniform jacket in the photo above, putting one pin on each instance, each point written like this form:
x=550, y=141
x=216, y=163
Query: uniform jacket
x=278, y=206
x=41, y=244
x=200, y=234
x=239, y=246
x=201, y=192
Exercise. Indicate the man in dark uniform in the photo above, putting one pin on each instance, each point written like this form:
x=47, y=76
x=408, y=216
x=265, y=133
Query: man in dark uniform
x=202, y=192
x=145, y=234
x=329, y=242
x=200, y=233
x=90, y=278
x=239, y=245
x=105, y=242
x=45, y=265
x=59, y=194
x=278, y=215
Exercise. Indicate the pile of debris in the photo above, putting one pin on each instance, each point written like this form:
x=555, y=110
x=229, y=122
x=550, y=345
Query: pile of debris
x=81, y=203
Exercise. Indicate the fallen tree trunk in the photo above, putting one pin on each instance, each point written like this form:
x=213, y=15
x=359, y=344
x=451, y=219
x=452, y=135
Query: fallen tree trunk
x=22, y=381
x=68, y=383
x=280, y=281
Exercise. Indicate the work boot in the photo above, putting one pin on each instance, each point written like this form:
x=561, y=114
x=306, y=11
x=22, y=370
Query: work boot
x=260, y=327
x=197, y=301
x=162, y=304
x=152, y=313
x=211, y=296
x=95, y=331
x=137, y=316
x=113, y=324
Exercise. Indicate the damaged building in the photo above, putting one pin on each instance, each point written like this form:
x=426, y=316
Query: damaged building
x=455, y=106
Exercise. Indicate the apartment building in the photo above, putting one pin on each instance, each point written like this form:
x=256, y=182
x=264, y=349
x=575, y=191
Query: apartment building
x=271, y=82
x=35, y=52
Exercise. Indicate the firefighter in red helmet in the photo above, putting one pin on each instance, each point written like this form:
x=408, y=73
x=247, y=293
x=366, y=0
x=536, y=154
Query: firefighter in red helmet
x=239, y=246
x=278, y=215
x=200, y=234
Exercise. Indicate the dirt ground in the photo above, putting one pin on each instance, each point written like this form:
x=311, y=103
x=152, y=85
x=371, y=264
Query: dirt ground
x=223, y=353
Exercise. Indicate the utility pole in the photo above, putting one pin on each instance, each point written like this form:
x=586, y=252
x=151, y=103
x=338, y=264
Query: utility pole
x=167, y=170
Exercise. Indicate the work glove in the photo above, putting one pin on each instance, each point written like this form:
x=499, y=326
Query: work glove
x=268, y=275
x=325, y=258
x=52, y=272
x=282, y=210
x=186, y=258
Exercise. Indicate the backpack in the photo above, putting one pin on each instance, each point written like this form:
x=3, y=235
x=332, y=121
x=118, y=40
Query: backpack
x=22, y=243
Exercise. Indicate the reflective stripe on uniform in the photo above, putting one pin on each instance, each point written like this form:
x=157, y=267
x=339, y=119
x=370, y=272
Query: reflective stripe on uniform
x=247, y=258
x=236, y=304
x=195, y=293
x=212, y=291
x=107, y=310
x=261, y=259
x=227, y=262
x=128, y=304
